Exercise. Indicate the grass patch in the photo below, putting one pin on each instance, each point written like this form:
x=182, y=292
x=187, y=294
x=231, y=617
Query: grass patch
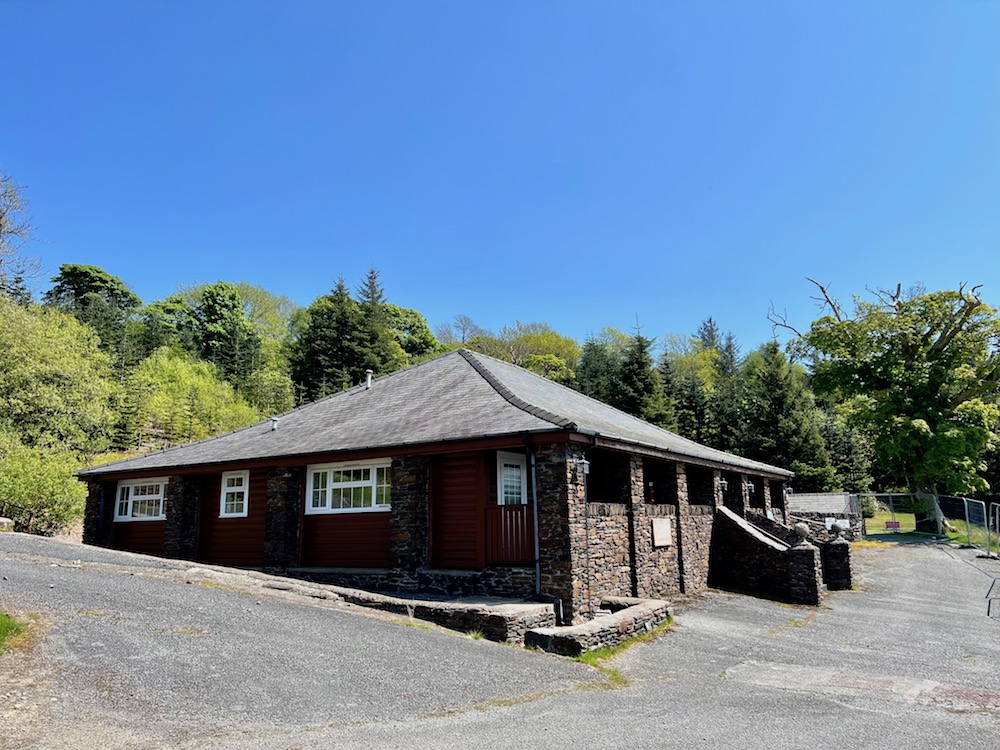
x=869, y=544
x=414, y=624
x=597, y=657
x=476, y=635
x=10, y=630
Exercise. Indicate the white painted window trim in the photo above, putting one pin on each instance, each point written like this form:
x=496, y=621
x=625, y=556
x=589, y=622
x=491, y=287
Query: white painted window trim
x=374, y=464
x=245, y=489
x=130, y=483
x=512, y=458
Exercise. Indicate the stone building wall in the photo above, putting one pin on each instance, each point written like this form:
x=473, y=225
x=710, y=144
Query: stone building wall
x=180, y=504
x=607, y=569
x=409, y=524
x=98, y=522
x=657, y=568
x=562, y=524
x=283, y=517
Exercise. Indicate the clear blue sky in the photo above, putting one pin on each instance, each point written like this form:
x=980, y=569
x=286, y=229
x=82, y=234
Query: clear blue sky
x=577, y=163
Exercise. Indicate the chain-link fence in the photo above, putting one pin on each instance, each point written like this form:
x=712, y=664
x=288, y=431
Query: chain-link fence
x=960, y=519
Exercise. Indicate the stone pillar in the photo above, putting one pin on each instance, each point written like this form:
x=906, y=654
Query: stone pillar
x=99, y=513
x=836, y=557
x=180, y=503
x=283, y=517
x=805, y=577
x=562, y=526
x=409, y=523
x=637, y=522
x=717, y=487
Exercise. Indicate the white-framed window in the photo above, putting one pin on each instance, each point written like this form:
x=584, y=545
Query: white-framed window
x=141, y=500
x=349, y=487
x=234, y=498
x=512, y=478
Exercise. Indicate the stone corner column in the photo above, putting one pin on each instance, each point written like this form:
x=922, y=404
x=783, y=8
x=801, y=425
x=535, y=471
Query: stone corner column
x=180, y=502
x=836, y=559
x=282, y=517
x=409, y=522
x=99, y=514
x=805, y=576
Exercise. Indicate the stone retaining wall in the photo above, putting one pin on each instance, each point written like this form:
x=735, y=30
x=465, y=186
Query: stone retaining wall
x=630, y=617
x=517, y=583
x=746, y=559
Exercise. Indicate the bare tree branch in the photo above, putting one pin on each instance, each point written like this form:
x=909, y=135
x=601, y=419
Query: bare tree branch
x=827, y=301
x=780, y=320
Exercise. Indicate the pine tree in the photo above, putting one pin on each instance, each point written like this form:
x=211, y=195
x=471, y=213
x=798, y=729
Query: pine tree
x=638, y=389
x=782, y=423
x=326, y=357
x=379, y=348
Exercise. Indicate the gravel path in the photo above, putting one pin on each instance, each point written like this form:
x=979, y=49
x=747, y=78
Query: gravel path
x=130, y=655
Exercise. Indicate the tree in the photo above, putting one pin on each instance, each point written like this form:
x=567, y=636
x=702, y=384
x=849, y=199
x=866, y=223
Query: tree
x=600, y=359
x=781, y=424
x=177, y=398
x=411, y=331
x=55, y=385
x=326, y=352
x=103, y=302
x=379, y=349
x=38, y=486
x=223, y=334
x=458, y=332
x=918, y=374
x=638, y=389
x=16, y=268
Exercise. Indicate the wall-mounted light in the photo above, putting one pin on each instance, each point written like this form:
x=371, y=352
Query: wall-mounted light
x=583, y=465
x=724, y=484
x=750, y=487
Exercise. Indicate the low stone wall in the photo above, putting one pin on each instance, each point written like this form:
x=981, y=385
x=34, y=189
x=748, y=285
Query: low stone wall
x=837, y=572
x=657, y=569
x=630, y=617
x=817, y=524
x=695, y=542
x=744, y=558
x=515, y=583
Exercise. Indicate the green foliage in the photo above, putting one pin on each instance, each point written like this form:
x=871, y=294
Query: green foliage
x=600, y=359
x=380, y=350
x=412, y=332
x=223, y=334
x=38, y=488
x=551, y=367
x=174, y=397
x=781, y=425
x=534, y=346
x=55, y=387
x=637, y=387
x=326, y=353
x=77, y=286
x=918, y=375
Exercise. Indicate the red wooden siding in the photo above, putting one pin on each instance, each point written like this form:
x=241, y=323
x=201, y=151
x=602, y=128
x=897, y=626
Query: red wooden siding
x=457, y=527
x=346, y=540
x=139, y=536
x=510, y=534
x=232, y=541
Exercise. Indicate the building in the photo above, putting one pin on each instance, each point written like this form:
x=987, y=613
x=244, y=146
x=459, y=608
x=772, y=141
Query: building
x=460, y=475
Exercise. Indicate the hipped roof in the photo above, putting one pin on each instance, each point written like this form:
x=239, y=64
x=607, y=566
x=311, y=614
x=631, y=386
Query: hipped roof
x=460, y=395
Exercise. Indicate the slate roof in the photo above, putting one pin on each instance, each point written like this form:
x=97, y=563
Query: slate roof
x=456, y=396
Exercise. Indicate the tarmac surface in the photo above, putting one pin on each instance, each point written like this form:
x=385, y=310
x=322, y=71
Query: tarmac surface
x=127, y=651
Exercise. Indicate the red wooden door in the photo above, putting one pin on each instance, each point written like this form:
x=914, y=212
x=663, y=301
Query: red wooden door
x=459, y=490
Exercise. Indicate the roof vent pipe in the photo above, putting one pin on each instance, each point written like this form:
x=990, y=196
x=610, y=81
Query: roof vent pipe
x=368, y=380
x=274, y=423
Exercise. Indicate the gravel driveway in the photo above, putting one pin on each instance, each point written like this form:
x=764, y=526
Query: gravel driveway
x=130, y=655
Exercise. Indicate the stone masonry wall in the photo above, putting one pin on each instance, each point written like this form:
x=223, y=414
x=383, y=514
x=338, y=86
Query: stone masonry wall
x=657, y=568
x=409, y=548
x=745, y=559
x=180, y=502
x=283, y=517
x=98, y=525
x=607, y=565
x=561, y=524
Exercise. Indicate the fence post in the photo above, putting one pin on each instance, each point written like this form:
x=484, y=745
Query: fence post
x=968, y=526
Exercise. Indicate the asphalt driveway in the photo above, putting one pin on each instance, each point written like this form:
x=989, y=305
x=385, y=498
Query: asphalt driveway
x=129, y=655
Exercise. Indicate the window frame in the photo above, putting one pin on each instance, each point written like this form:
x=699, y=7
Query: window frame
x=375, y=464
x=131, y=501
x=245, y=475
x=512, y=458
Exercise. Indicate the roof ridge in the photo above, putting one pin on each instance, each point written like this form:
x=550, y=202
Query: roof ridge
x=510, y=396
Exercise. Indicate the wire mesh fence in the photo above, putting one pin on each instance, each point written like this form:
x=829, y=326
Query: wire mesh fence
x=959, y=519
